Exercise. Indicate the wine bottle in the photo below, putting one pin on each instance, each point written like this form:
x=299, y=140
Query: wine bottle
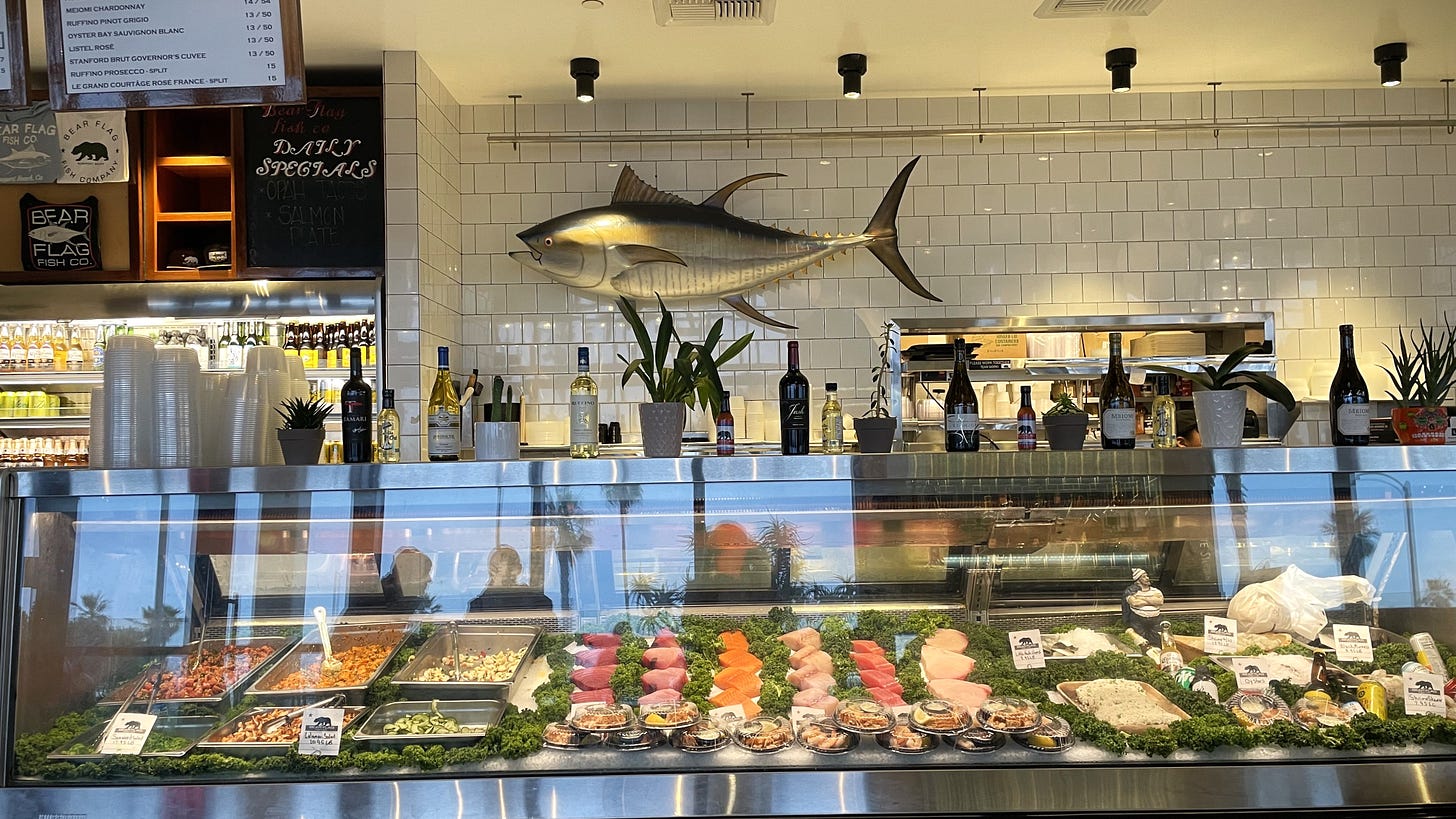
x=962, y=412
x=1026, y=422
x=356, y=403
x=584, y=438
x=794, y=407
x=1349, y=398
x=1169, y=658
x=832, y=421
x=1165, y=426
x=724, y=424
x=388, y=429
x=1115, y=404
x=443, y=414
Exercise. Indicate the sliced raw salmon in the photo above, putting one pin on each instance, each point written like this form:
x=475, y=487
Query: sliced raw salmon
x=739, y=678
x=733, y=696
x=733, y=641
x=739, y=659
x=941, y=664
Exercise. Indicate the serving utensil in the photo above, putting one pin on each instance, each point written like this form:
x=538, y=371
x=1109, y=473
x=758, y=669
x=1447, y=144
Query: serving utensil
x=272, y=725
x=331, y=665
x=142, y=680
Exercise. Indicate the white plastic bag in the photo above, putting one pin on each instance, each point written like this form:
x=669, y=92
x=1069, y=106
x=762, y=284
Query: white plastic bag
x=1295, y=602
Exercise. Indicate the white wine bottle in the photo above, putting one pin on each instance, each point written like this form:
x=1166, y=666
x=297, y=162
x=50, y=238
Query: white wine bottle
x=583, y=408
x=443, y=413
x=388, y=429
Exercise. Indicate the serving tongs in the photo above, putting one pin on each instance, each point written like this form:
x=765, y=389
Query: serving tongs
x=142, y=679
x=272, y=725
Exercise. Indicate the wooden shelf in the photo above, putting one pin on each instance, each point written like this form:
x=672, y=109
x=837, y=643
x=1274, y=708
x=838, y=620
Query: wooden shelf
x=196, y=216
x=197, y=166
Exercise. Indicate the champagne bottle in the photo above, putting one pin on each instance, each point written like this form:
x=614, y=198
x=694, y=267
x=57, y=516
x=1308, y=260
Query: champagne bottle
x=1165, y=426
x=724, y=424
x=962, y=412
x=832, y=421
x=1115, y=404
x=584, y=439
x=388, y=429
x=1026, y=422
x=1349, y=398
x=356, y=403
x=794, y=407
x=443, y=414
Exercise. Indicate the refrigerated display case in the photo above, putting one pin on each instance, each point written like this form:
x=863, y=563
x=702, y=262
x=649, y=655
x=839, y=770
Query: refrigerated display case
x=114, y=577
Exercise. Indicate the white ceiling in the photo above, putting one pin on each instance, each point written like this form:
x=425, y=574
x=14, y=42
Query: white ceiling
x=486, y=49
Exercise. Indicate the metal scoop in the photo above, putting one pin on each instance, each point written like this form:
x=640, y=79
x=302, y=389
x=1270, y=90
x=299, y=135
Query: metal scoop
x=330, y=664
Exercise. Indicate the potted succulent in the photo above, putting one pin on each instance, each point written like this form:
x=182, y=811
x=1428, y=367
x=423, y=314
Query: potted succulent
x=302, y=434
x=876, y=428
x=499, y=439
x=1065, y=424
x=1219, y=400
x=687, y=378
x=1423, y=375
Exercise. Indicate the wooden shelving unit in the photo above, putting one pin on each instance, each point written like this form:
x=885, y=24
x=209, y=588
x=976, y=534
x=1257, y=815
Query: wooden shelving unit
x=190, y=199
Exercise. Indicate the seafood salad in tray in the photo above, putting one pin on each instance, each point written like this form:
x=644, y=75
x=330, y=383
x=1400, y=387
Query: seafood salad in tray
x=263, y=732
x=207, y=671
x=468, y=660
x=362, y=651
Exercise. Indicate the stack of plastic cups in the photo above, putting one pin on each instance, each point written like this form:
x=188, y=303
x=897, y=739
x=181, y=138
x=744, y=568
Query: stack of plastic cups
x=98, y=429
x=278, y=388
x=297, y=379
x=212, y=430
x=235, y=412
x=176, y=382
x=131, y=439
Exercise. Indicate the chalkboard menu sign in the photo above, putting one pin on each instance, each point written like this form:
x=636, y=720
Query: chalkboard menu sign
x=314, y=183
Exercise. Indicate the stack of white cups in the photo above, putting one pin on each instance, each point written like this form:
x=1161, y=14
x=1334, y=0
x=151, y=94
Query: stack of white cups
x=176, y=380
x=98, y=428
x=130, y=433
x=212, y=435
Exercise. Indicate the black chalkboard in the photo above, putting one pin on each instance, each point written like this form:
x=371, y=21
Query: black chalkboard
x=314, y=183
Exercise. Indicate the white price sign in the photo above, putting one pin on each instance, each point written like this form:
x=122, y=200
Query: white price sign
x=1026, y=650
x=167, y=45
x=1352, y=644
x=127, y=734
x=321, y=731
x=1251, y=673
x=1220, y=635
x=1423, y=693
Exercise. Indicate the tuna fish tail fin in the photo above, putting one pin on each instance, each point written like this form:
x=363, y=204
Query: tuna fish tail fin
x=884, y=239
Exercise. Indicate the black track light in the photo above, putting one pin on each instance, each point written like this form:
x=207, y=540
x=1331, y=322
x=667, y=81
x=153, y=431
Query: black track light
x=851, y=68
x=1389, y=57
x=585, y=71
x=1120, y=62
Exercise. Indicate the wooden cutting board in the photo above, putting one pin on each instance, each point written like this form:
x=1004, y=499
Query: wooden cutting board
x=1069, y=690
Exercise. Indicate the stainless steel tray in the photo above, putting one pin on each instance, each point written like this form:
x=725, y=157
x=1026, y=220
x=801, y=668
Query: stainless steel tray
x=213, y=743
x=310, y=652
x=485, y=713
x=472, y=638
x=192, y=729
x=182, y=658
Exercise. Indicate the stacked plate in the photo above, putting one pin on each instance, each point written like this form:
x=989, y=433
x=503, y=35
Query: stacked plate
x=128, y=379
x=98, y=428
x=176, y=380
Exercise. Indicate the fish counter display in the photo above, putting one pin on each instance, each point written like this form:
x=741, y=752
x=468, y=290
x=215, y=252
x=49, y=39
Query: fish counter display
x=872, y=691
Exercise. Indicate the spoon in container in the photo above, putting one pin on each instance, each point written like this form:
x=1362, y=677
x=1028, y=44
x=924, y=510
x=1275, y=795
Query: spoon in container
x=331, y=665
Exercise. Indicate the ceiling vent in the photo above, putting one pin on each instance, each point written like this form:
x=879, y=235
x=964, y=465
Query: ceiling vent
x=1072, y=9
x=714, y=12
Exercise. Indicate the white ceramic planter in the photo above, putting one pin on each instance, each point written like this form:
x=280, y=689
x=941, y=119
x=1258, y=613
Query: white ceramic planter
x=1220, y=417
x=497, y=440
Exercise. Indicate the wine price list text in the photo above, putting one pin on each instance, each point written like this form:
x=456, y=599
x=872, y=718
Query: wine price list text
x=161, y=45
x=4, y=48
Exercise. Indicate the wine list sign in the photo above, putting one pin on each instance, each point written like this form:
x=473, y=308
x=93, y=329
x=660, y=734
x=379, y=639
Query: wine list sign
x=314, y=189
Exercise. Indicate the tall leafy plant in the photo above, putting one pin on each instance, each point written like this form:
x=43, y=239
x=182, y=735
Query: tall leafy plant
x=880, y=377
x=1228, y=376
x=690, y=374
x=1424, y=373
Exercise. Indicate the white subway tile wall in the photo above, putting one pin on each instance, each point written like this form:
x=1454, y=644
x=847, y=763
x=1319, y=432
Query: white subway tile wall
x=1320, y=227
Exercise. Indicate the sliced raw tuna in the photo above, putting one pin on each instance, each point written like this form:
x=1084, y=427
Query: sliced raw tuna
x=887, y=697
x=601, y=640
x=591, y=679
x=659, y=697
x=659, y=679
x=866, y=647
x=874, y=678
x=969, y=694
x=738, y=658
x=670, y=657
x=948, y=639
x=665, y=639
x=733, y=641
x=816, y=698
x=809, y=677
x=799, y=638
x=597, y=656
x=871, y=662
x=598, y=695
x=941, y=664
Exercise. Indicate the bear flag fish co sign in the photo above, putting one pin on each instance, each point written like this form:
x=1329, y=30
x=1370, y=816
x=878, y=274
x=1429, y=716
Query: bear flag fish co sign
x=93, y=146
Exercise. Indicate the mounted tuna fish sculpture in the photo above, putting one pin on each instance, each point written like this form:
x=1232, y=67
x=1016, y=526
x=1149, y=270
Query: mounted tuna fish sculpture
x=650, y=242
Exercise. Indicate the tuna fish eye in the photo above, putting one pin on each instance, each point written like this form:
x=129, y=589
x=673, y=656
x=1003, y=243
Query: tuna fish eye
x=546, y=241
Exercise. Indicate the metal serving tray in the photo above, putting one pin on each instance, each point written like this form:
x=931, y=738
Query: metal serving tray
x=213, y=742
x=472, y=638
x=192, y=729
x=310, y=651
x=485, y=713
x=1051, y=637
x=183, y=659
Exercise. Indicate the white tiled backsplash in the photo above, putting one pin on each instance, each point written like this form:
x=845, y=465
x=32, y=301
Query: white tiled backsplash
x=1320, y=227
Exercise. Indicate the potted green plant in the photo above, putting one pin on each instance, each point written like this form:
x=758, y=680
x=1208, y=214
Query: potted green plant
x=1065, y=424
x=1218, y=397
x=674, y=382
x=1423, y=374
x=302, y=434
x=499, y=439
x=876, y=428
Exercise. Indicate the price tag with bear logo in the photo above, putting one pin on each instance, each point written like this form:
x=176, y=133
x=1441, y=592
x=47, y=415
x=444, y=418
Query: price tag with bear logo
x=1220, y=635
x=1026, y=650
x=127, y=734
x=1423, y=693
x=1352, y=644
x=1251, y=673
x=322, y=730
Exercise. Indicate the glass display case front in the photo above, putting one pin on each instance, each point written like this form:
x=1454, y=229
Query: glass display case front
x=1005, y=616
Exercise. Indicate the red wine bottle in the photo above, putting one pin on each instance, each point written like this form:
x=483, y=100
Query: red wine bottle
x=794, y=407
x=1115, y=404
x=356, y=401
x=962, y=413
x=1349, y=398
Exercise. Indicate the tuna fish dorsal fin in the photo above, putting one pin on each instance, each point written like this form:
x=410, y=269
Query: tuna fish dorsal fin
x=631, y=188
x=720, y=199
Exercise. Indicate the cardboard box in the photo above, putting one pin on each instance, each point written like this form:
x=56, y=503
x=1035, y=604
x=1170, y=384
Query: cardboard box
x=998, y=345
x=1094, y=345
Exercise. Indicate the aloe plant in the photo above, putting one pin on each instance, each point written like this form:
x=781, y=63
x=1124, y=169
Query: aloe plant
x=300, y=413
x=690, y=375
x=1228, y=376
x=1064, y=406
x=503, y=405
x=1424, y=373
